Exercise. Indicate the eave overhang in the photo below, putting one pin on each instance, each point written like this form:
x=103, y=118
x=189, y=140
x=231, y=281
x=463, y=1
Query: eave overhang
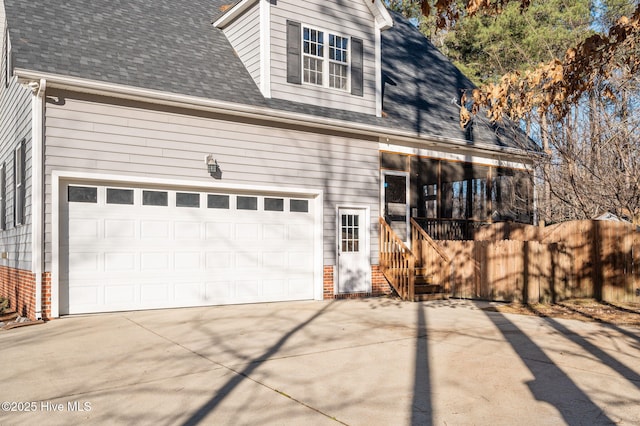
x=75, y=84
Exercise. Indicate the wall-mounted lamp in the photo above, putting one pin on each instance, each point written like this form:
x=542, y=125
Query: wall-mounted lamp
x=212, y=167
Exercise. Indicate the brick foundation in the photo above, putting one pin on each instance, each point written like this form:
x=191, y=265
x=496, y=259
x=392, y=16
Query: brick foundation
x=327, y=288
x=379, y=285
x=19, y=286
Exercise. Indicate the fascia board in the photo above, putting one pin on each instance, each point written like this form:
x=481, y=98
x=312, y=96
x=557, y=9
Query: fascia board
x=233, y=13
x=254, y=112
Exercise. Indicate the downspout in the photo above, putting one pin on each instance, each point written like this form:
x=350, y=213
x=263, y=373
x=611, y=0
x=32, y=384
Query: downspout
x=37, y=142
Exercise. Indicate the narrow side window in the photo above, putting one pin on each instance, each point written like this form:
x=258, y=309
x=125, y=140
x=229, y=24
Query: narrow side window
x=6, y=50
x=3, y=197
x=19, y=183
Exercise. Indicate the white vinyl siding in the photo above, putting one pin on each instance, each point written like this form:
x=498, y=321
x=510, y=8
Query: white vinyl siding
x=92, y=137
x=15, y=126
x=352, y=19
x=244, y=35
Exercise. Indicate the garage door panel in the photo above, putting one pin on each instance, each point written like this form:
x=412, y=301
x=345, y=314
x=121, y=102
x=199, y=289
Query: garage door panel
x=218, y=260
x=84, y=229
x=274, y=259
x=152, y=293
x=248, y=290
x=118, y=262
x=189, y=292
x=150, y=262
x=274, y=232
x=155, y=229
x=187, y=231
x=246, y=231
x=127, y=257
x=120, y=229
x=187, y=260
x=274, y=288
x=299, y=232
x=118, y=293
x=218, y=231
x=83, y=261
x=218, y=291
x=299, y=288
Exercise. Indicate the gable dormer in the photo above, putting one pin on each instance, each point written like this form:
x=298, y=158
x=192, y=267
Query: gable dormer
x=317, y=52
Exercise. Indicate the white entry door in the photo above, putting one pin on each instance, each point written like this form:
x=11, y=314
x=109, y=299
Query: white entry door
x=354, y=269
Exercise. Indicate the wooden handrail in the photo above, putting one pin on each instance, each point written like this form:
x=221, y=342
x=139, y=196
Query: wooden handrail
x=436, y=264
x=397, y=262
x=425, y=237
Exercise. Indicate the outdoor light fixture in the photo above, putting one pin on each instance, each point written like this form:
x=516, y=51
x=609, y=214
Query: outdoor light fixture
x=212, y=166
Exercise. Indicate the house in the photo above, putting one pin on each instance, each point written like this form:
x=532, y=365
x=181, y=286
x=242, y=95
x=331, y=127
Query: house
x=187, y=153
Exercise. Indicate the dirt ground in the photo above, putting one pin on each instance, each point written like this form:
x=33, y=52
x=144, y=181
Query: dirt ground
x=626, y=314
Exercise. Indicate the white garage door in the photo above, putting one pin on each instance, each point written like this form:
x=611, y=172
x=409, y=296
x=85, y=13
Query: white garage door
x=128, y=248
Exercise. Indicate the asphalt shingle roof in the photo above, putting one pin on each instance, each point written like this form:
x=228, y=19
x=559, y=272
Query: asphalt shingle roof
x=172, y=46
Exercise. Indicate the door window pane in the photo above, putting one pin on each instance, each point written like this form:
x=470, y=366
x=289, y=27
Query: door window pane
x=274, y=204
x=83, y=194
x=299, y=206
x=155, y=198
x=350, y=233
x=215, y=201
x=119, y=196
x=186, y=199
x=247, y=203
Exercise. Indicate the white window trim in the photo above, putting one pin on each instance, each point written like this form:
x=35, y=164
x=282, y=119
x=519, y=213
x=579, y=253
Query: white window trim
x=7, y=61
x=60, y=178
x=3, y=197
x=325, y=58
x=19, y=191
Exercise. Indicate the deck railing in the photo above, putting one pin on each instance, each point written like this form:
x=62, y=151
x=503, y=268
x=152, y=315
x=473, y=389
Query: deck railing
x=450, y=229
x=397, y=262
x=430, y=257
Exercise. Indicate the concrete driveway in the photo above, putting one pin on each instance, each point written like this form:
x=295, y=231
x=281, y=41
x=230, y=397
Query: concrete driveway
x=357, y=362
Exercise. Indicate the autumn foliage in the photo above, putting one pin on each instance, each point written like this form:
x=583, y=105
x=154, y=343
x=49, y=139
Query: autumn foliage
x=552, y=87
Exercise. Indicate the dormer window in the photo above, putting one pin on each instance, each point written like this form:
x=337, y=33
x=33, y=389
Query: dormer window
x=324, y=59
x=338, y=65
x=319, y=61
x=313, y=41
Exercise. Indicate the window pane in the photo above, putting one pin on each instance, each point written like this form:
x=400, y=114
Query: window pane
x=247, y=203
x=217, y=201
x=155, y=198
x=83, y=194
x=119, y=196
x=186, y=199
x=338, y=76
x=300, y=206
x=274, y=204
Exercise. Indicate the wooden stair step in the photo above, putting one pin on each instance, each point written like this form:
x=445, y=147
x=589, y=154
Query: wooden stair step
x=427, y=289
x=429, y=296
x=421, y=270
x=424, y=279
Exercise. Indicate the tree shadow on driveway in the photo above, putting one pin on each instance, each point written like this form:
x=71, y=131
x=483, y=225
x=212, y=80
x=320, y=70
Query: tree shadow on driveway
x=244, y=374
x=551, y=384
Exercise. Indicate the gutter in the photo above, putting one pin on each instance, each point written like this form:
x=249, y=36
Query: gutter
x=255, y=112
x=38, y=90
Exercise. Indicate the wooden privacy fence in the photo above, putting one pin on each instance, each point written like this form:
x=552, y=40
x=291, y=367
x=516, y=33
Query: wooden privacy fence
x=525, y=263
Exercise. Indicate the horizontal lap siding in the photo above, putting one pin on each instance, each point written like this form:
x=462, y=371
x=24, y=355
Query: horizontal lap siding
x=244, y=36
x=92, y=137
x=344, y=17
x=15, y=125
